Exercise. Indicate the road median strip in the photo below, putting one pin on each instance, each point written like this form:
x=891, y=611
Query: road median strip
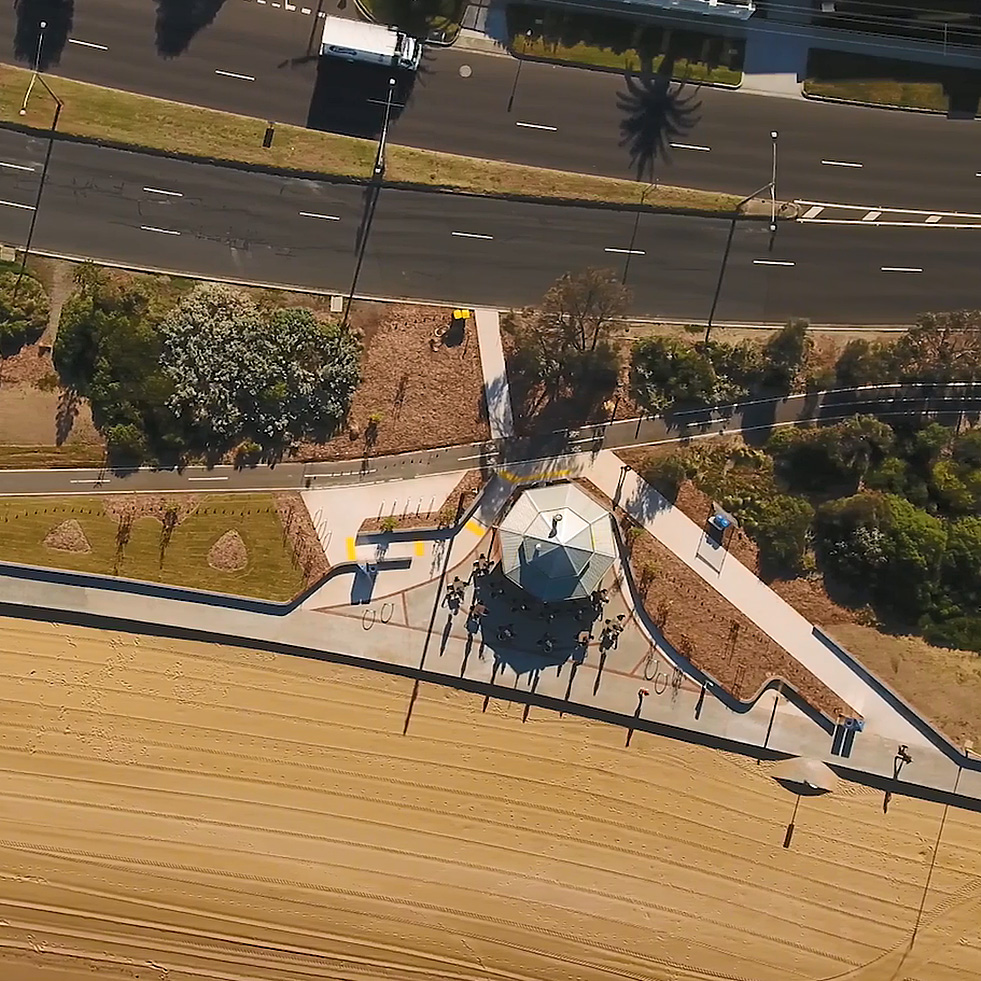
x=126, y=120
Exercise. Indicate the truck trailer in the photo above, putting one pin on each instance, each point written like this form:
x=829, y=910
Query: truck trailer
x=373, y=44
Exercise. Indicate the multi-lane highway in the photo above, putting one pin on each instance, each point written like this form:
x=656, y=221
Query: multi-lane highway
x=755, y=418
x=254, y=59
x=179, y=216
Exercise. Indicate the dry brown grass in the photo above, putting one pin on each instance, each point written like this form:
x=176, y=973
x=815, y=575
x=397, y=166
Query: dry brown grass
x=126, y=118
x=424, y=398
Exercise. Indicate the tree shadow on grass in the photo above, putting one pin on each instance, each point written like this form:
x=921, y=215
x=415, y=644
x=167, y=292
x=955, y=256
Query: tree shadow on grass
x=57, y=15
x=656, y=112
x=179, y=20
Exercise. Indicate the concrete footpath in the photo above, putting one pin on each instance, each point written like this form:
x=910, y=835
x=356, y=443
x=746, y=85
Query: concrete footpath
x=638, y=684
x=496, y=389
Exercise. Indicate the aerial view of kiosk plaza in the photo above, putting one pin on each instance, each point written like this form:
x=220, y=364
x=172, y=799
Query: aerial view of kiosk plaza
x=490, y=491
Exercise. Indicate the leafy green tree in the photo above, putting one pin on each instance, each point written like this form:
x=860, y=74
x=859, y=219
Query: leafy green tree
x=859, y=442
x=664, y=371
x=949, y=489
x=127, y=442
x=941, y=347
x=22, y=317
x=235, y=375
x=862, y=362
x=782, y=530
x=739, y=368
x=665, y=473
x=562, y=349
x=967, y=448
x=961, y=570
x=786, y=355
x=108, y=349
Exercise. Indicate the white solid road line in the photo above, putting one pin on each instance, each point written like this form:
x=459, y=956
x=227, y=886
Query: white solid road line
x=160, y=190
x=911, y=269
x=470, y=235
x=14, y=204
x=689, y=146
x=626, y=251
x=88, y=44
x=313, y=214
x=245, y=78
x=841, y=163
x=551, y=129
x=773, y=262
x=15, y=166
x=162, y=231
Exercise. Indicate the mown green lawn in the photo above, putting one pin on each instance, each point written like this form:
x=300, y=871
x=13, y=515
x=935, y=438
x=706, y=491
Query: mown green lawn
x=147, y=555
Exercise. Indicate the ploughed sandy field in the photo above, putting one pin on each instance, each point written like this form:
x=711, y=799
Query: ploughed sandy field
x=181, y=812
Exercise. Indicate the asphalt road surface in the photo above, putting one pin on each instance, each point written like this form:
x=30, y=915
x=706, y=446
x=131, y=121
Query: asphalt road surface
x=255, y=58
x=177, y=216
x=756, y=419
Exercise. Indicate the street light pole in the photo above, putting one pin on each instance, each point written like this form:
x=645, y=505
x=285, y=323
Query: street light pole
x=37, y=65
x=59, y=105
x=517, y=74
x=772, y=188
x=633, y=234
x=374, y=188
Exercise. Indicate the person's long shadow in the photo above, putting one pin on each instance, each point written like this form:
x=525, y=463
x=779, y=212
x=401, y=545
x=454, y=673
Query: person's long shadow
x=656, y=112
x=57, y=15
x=178, y=21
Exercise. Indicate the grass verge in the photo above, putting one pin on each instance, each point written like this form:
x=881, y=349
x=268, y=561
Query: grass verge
x=142, y=122
x=888, y=82
x=605, y=41
x=145, y=550
x=50, y=457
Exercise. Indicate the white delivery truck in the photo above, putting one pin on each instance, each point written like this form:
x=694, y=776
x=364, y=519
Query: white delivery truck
x=374, y=44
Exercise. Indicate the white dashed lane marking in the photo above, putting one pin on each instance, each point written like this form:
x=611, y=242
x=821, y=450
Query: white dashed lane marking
x=903, y=269
x=841, y=163
x=87, y=44
x=689, y=146
x=15, y=166
x=161, y=231
x=551, y=129
x=313, y=214
x=160, y=190
x=14, y=204
x=773, y=262
x=471, y=235
x=626, y=251
x=245, y=78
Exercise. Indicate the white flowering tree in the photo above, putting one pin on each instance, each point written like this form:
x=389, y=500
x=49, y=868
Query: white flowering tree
x=237, y=373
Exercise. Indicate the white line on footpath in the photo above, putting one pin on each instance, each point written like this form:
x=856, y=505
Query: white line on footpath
x=160, y=190
x=910, y=269
x=15, y=166
x=689, y=146
x=162, y=231
x=14, y=204
x=470, y=235
x=88, y=44
x=773, y=262
x=313, y=214
x=207, y=478
x=245, y=78
x=551, y=129
x=841, y=163
x=627, y=251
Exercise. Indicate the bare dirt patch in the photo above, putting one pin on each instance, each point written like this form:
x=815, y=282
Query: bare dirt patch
x=308, y=552
x=67, y=537
x=229, y=553
x=411, y=396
